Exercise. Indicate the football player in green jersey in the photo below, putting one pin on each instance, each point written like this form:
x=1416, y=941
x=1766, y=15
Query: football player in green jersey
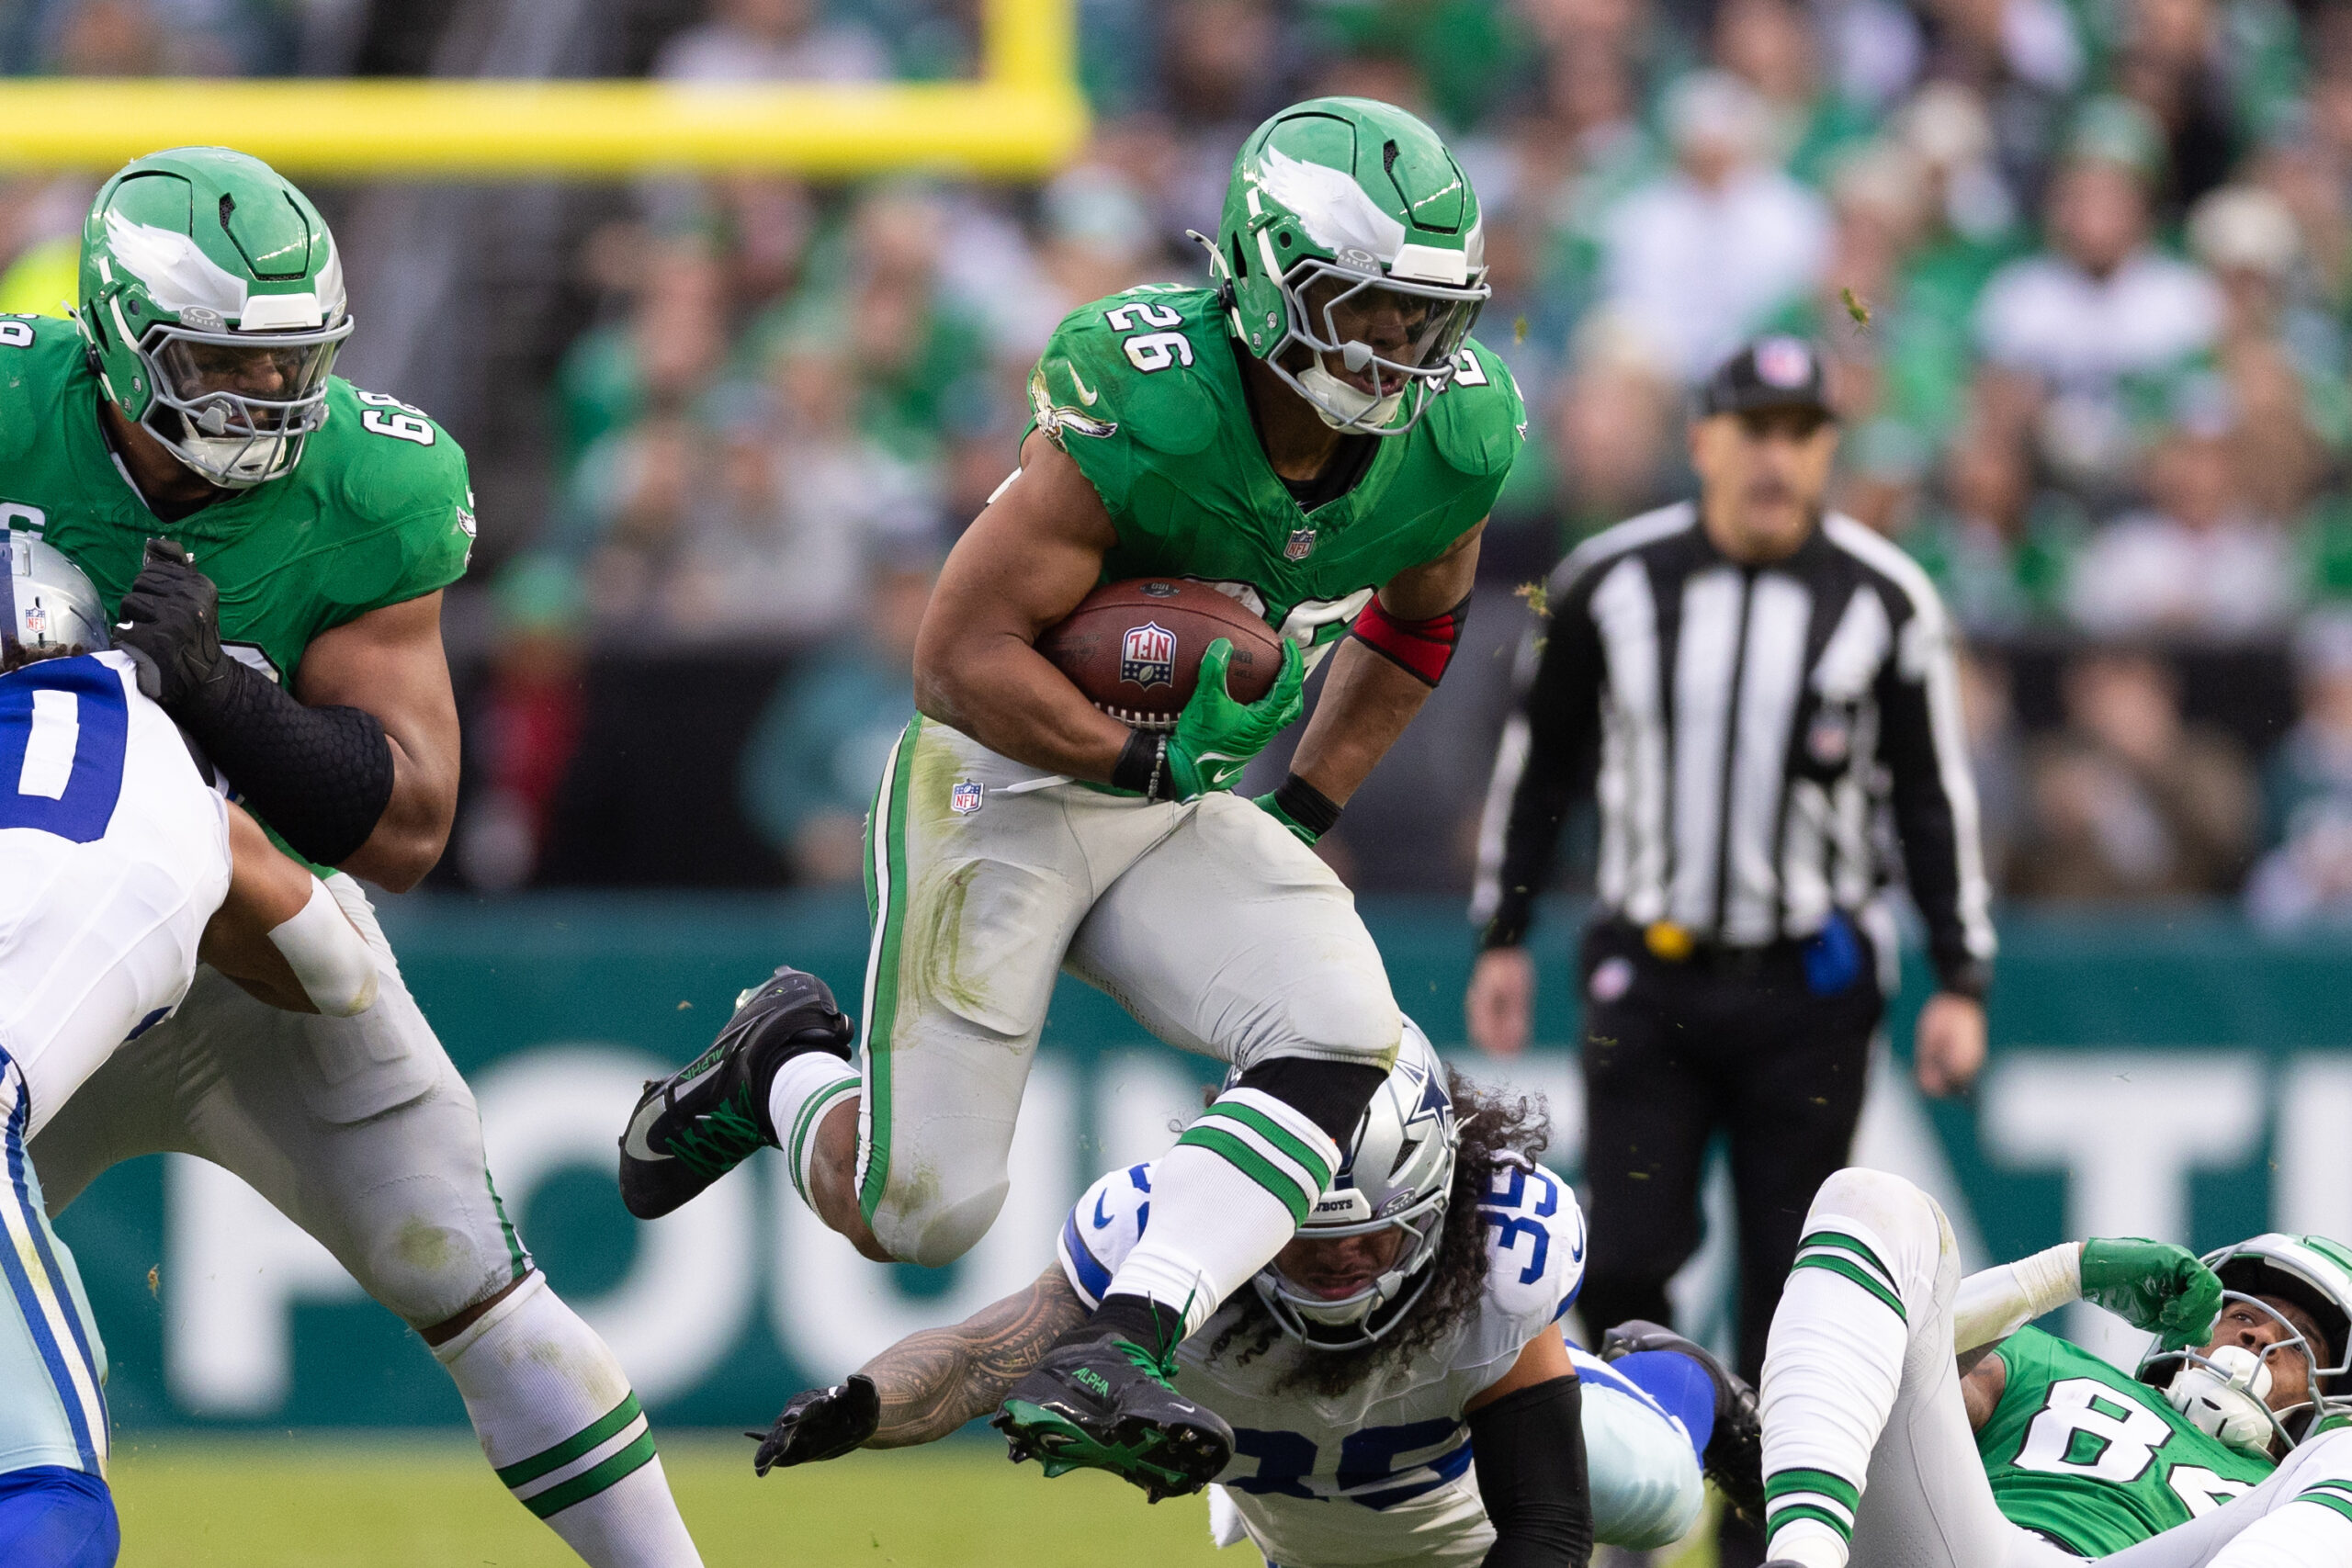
x=1316, y=434
x=274, y=544
x=1911, y=1416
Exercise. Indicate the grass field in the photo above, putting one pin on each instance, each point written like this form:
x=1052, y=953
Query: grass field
x=334, y=1501
x=328, y=1501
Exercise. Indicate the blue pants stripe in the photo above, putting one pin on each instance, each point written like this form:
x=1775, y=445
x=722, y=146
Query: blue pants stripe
x=28, y=1299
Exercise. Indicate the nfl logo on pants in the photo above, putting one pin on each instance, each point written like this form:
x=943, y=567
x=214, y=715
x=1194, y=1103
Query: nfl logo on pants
x=965, y=797
x=1147, y=655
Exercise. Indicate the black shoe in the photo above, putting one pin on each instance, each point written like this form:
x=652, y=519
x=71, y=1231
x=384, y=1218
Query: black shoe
x=1735, y=1457
x=1109, y=1403
x=703, y=1120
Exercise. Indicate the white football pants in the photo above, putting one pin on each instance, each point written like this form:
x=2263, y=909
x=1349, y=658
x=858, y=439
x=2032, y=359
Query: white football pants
x=1209, y=922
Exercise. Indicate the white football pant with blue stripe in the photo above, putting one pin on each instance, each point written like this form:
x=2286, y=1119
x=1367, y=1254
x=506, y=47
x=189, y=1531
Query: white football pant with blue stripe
x=52, y=1364
x=114, y=852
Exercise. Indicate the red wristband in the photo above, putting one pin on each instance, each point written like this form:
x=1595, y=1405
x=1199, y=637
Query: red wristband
x=1420, y=649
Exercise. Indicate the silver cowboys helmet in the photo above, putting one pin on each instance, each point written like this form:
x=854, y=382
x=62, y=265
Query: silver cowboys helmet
x=51, y=605
x=1396, y=1173
x=2224, y=1392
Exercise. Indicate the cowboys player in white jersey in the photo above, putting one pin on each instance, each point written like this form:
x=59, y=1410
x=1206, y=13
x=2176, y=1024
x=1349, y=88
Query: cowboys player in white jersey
x=121, y=864
x=1397, y=1388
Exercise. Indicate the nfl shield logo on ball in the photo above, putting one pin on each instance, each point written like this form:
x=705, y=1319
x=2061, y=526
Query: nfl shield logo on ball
x=1147, y=655
x=966, y=796
x=1301, y=546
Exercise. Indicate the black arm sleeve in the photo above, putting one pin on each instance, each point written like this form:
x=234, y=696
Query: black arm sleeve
x=1529, y=1448
x=1546, y=759
x=1934, y=800
x=321, y=776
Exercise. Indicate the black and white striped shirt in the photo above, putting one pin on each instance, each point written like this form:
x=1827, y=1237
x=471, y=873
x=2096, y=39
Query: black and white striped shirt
x=1740, y=726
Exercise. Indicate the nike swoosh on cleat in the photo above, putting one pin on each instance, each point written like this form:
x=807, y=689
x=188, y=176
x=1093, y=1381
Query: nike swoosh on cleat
x=635, y=1145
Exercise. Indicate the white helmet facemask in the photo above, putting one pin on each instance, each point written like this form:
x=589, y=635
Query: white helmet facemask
x=1329, y=305
x=233, y=434
x=1396, y=1174
x=2226, y=1391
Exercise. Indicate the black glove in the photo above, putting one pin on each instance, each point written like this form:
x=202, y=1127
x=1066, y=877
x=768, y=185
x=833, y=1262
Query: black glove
x=170, y=625
x=823, y=1423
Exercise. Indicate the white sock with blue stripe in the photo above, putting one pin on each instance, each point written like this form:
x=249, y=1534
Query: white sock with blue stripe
x=1229, y=1196
x=561, y=1425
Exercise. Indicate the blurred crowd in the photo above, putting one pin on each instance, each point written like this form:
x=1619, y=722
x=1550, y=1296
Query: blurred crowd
x=2082, y=268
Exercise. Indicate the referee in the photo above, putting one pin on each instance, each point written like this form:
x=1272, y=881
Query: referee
x=1743, y=682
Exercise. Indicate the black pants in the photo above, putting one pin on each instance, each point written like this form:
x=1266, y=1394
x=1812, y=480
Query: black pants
x=1674, y=1052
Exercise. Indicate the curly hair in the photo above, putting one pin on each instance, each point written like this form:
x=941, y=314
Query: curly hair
x=15, y=659
x=1499, y=1128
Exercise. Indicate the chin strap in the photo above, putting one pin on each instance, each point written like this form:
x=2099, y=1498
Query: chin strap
x=1421, y=648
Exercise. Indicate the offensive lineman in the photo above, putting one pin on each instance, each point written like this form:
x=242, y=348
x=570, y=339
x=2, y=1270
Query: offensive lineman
x=119, y=864
x=1317, y=434
x=191, y=402
x=1398, y=1390
x=2027, y=1452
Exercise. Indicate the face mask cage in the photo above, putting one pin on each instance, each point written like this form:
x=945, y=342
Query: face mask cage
x=245, y=402
x=1391, y=335
x=2291, y=1425
x=1350, y=1323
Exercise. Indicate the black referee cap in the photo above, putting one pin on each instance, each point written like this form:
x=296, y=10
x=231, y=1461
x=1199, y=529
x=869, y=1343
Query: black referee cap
x=1777, y=372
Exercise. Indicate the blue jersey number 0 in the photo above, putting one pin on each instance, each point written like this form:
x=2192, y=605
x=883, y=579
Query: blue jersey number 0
x=63, y=724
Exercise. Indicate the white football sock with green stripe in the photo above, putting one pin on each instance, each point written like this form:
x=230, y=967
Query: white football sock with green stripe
x=805, y=1089
x=559, y=1422
x=1835, y=1361
x=1229, y=1196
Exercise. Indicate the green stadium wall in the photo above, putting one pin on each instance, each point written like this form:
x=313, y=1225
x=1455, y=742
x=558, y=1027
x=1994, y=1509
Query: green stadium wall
x=2177, y=1077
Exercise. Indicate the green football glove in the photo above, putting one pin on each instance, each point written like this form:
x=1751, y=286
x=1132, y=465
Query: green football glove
x=1216, y=737
x=2154, y=1286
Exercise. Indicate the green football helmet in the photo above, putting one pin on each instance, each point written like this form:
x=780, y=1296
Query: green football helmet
x=2313, y=1273
x=212, y=305
x=1353, y=259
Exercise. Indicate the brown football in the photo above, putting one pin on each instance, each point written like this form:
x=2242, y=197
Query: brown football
x=1135, y=647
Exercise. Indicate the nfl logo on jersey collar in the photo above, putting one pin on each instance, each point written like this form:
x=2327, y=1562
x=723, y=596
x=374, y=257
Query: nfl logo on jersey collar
x=1301, y=546
x=966, y=796
x=1147, y=655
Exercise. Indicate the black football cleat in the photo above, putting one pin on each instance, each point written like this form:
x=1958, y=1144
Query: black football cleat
x=708, y=1117
x=1109, y=1403
x=1734, y=1456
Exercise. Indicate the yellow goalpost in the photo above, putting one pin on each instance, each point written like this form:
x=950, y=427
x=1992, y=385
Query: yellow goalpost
x=1021, y=117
